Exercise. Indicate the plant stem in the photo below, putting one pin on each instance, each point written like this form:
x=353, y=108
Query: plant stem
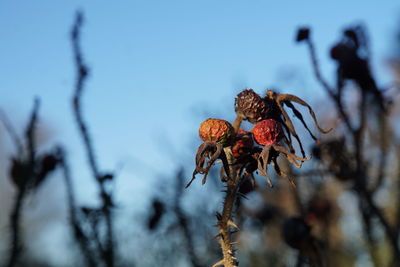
x=236, y=123
x=225, y=241
x=225, y=221
x=106, y=197
x=15, y=224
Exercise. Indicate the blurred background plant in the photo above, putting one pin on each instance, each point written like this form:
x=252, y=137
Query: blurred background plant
x=344, y=210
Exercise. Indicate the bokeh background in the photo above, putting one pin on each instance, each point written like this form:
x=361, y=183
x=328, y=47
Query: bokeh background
x=157, y=69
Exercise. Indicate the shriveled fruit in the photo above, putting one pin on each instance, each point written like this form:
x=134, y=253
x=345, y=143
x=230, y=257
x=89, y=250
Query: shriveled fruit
x=216, y=130
x=250, y=106
x=243, y=144
x=267, y=132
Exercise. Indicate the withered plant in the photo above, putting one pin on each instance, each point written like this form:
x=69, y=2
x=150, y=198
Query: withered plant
x=240, y=158
x=346, y=158
x=97, y=245
x=92, y=227
x=28, y=171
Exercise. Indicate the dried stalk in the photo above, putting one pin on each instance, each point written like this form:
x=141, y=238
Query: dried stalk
x=183, y=220
x=360, y=177
x=82, y=72
x=11, y=132
x=15, y=218
x=78, y=232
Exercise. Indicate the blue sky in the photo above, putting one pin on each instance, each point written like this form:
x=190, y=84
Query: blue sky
x=158, y=68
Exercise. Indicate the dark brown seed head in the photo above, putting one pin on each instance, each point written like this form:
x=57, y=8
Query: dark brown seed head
x=303, y=34
x=250, y=106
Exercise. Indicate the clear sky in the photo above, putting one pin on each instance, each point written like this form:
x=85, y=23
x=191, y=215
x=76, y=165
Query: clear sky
x=158, y=68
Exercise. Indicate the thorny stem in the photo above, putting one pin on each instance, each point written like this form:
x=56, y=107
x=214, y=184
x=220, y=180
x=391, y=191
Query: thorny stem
x=225, y=222
x=82, y=72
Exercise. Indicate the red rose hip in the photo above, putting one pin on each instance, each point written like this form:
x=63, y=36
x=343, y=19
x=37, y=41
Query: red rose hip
x=267, y=132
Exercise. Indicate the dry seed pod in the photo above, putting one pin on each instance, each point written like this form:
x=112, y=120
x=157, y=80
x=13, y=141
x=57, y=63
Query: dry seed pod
x=216, y=134
x=267, y=132
x=243, y=143
x=250, y=106
x=216, y=130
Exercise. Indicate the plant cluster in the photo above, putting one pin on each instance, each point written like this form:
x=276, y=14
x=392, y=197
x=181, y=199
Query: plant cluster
x=273, y=132
x=244, y=153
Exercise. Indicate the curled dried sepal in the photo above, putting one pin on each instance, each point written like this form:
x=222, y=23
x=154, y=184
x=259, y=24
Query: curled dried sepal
x=207, y=154
x=298, y=100
x=270, y=154
x=292, y=158
x=216, y=130
x=250, y=106
x=285, y=99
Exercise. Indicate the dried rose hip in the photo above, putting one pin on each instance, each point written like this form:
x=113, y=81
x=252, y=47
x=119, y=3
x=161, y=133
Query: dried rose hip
x=216, y=130
x=243, y=144
x=250, y=106
x=267, y=132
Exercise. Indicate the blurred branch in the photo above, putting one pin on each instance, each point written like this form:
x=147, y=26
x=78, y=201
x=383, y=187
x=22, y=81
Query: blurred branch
x=183, y=220
x=27, y=170
x=397, y=175
x=361, y=74
x=11, y=131
x=335, y=97
x=106, y=197
x=78, y=232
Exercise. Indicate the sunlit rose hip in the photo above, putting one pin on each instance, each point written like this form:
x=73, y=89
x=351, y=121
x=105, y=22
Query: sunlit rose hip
x=267, y=132
x=216, y=130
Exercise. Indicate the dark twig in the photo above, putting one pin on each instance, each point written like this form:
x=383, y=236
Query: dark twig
x=397, y=175
x=325, y=84
x=11, y=131
x=82, y=73
x=360, y=175
x=183, y=219
x=15, y=219
x=78, y=232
